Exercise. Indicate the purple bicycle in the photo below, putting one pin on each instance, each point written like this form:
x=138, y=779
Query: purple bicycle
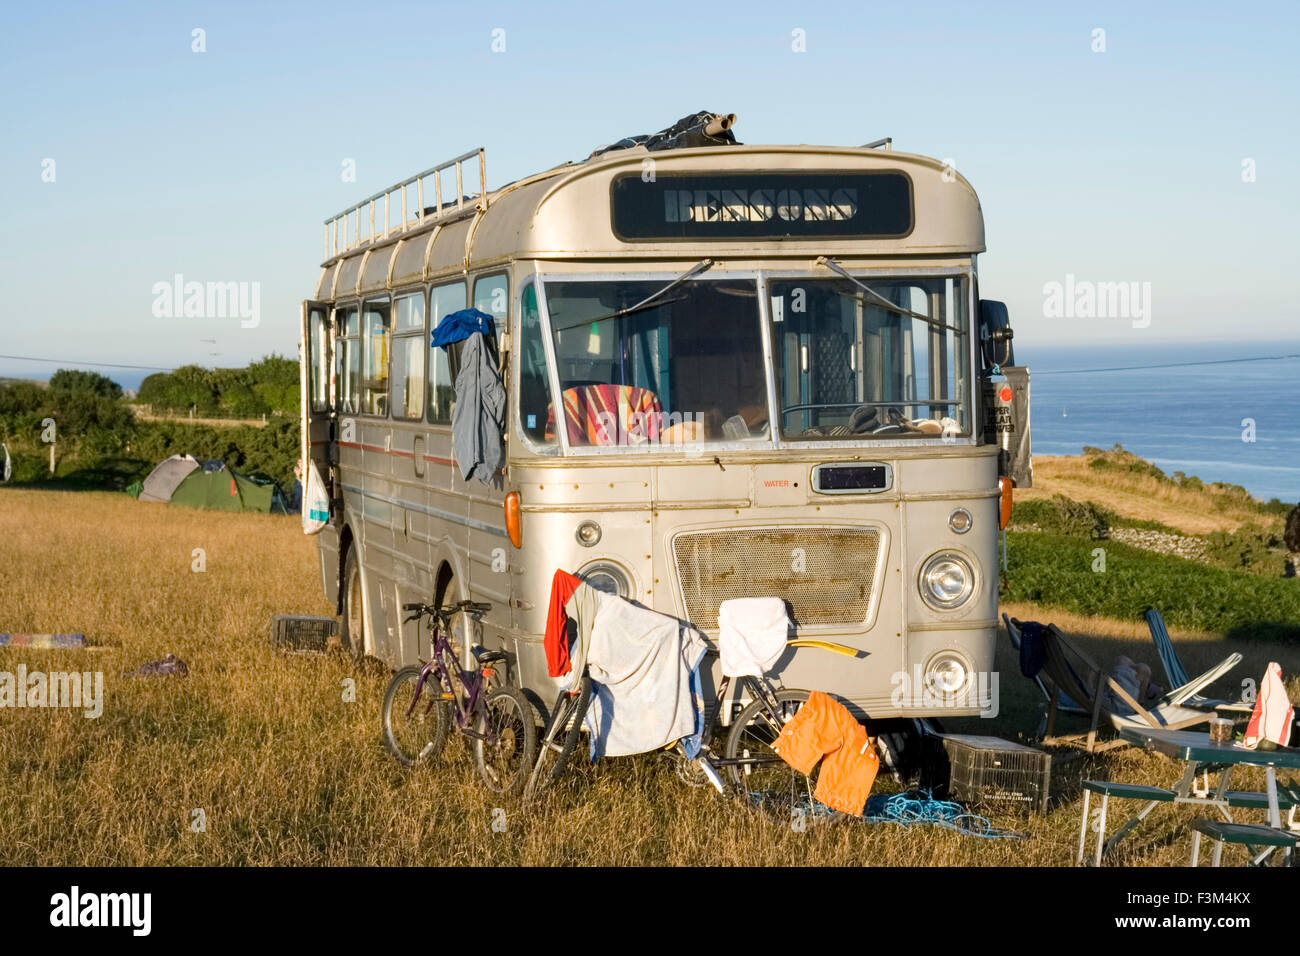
x=423, y=703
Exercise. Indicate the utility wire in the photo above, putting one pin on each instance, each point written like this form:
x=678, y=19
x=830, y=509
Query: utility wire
x=1137, y=368
x=28, y=358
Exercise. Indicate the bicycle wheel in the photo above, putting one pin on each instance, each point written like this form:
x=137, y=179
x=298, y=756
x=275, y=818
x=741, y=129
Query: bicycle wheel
x=560, y=738
x=415, y=736
x=768, y=779
x=505, y=760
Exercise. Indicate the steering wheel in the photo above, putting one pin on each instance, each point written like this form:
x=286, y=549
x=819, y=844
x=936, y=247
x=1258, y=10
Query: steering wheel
x=880, y=420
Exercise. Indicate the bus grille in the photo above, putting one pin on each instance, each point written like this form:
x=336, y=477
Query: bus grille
x=826, y=574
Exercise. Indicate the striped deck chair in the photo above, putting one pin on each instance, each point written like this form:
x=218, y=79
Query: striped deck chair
x=1071, y=671
x=1188, y=693
x=610, y=415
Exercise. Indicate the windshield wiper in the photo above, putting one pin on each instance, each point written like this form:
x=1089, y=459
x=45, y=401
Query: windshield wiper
x=881, y=301
x=702, y=266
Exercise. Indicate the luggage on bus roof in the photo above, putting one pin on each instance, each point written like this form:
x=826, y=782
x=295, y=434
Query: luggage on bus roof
x=698, y=129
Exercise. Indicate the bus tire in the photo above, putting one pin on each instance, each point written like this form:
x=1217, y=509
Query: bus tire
x=353, y=631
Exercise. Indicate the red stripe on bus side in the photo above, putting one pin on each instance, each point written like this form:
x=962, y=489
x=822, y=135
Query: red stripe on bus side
x=400, y=454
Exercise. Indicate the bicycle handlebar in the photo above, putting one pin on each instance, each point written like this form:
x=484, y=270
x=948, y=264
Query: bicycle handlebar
x=472, y=607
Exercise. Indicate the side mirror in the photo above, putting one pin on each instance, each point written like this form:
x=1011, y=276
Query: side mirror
x=995, y=335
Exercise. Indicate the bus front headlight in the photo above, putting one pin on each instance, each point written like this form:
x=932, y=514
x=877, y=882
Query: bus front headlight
x=947, y=581
x=947, y=674
x=606, y=576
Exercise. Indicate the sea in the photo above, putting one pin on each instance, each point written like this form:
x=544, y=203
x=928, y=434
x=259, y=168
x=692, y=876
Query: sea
x=1222, y=411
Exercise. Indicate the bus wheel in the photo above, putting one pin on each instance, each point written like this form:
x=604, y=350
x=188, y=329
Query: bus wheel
x=354, y=618
x=902, y=747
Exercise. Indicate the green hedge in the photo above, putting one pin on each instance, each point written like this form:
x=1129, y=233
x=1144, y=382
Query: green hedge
x=1057, y=570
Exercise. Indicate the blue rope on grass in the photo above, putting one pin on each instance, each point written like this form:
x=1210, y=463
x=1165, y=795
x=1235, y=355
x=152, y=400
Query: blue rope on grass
x=905, y=809
x=920, y=806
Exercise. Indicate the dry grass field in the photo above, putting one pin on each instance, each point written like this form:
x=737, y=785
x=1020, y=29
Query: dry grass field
x=284, y=771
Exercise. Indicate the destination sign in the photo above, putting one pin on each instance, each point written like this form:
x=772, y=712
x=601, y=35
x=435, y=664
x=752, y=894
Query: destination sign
x=762, y=205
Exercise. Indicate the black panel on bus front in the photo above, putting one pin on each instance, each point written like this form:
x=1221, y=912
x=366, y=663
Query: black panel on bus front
x=850, y=478
x=762, y=205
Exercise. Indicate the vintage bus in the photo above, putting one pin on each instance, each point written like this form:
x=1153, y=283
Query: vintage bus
x=788, y=338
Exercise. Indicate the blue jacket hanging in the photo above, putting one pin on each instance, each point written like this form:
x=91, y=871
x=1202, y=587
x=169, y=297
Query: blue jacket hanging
x=456, y=326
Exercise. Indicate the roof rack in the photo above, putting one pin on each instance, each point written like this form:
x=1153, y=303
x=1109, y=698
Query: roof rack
x=886, y=143
x=365, y=214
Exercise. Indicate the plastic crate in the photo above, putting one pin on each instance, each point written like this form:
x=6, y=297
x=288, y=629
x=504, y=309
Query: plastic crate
x=301, y=632
x=989, y=771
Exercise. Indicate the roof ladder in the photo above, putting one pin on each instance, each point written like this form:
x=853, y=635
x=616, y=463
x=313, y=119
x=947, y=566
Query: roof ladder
x=360, y=223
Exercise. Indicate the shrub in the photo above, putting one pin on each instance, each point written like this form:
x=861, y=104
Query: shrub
x=75, y=380
x=1058, y=570
x=1249, y=548
x=1062, y=515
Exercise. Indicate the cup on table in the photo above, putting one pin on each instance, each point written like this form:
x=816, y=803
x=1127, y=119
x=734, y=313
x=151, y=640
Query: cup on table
x=1221, y=730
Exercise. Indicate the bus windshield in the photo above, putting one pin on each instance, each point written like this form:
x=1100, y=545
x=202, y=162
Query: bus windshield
x=686, y=368
x=848, y=367
x=689, y=367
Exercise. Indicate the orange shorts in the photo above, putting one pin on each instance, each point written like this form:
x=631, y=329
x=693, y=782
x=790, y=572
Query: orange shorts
x=823, y=727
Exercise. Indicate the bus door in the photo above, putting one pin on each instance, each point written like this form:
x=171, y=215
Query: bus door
x=317, y=427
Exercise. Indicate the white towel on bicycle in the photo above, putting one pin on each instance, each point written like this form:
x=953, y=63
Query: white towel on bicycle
x=752, y=634
x=644, y=669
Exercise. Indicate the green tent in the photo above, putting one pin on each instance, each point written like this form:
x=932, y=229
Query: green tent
x=226, y=490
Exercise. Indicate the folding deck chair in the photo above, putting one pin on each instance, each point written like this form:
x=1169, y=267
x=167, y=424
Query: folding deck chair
x=1072, y=672
x=1063, y=704
x=1188, y=689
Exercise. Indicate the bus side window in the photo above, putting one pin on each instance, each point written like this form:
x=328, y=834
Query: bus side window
x=319, y=384
x=534, y=380
x=349, y=360
x=443, y=300
x=375, y=335
x=406, y=385
x=492, y=295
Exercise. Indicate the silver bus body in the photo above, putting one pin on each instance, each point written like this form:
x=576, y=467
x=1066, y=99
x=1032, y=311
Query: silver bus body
x=684, y=525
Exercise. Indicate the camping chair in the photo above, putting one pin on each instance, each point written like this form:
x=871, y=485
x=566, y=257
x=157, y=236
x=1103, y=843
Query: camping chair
x=1188, y=693
x=1073, y=672
x=1063, y=703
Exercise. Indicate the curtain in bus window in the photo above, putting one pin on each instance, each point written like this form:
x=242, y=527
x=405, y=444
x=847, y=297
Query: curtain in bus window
x=375, y=334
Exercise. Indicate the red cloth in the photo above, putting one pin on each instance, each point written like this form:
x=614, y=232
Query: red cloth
x=557, y=647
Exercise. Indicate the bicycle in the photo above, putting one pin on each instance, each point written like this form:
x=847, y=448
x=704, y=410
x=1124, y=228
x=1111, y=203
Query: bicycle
x=560, y=738
x=497, y=718
x=752, y=768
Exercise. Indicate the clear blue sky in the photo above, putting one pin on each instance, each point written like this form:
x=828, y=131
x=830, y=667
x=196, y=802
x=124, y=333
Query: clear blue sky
x=1122, y=165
